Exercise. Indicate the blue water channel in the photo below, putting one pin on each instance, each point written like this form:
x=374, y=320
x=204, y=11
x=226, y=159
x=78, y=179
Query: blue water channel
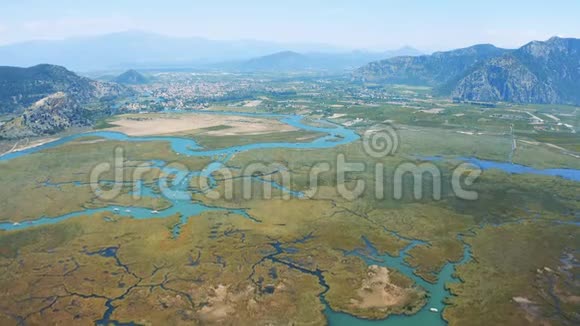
x=568, y=174
x=179, y=195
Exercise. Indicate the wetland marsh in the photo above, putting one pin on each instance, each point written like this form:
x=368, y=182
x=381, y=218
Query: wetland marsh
x=307, y=259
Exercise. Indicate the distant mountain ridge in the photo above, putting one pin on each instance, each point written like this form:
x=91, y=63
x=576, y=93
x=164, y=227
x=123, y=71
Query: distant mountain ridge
x=49, y=99
x=132, y=49
x=135, y=49
x=131, y=77
x=285, y=60
x=539, y=72
x=315, y=61
x=436, y=69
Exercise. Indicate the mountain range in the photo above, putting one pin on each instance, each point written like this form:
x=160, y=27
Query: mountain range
x=286, y=61
x=47, y=99
x=430, y=70
x=135, y=49
x=131, y=77
x=538, y=72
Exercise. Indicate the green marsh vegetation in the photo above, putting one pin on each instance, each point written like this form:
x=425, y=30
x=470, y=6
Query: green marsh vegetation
x=223, y=265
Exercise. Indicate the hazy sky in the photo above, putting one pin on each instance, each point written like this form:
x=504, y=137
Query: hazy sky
x=371, y=24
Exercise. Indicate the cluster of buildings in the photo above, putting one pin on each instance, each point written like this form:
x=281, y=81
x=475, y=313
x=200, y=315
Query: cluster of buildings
x=186, y=91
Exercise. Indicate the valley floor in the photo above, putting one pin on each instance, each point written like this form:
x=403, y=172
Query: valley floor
x=286, y=254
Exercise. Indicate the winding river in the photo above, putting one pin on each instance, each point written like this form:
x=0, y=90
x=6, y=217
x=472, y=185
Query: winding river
x=334, y=135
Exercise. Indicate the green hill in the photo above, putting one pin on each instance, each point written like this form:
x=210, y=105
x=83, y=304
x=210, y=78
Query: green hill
x=48, y=99
x=131, y=77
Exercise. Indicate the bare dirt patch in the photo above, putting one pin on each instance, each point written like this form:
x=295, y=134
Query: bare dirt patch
x=223, y=303
x=253, y=104
x=155, y=124
x=378, y=292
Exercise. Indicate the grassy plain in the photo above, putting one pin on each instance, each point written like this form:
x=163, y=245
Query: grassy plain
x=49, y=177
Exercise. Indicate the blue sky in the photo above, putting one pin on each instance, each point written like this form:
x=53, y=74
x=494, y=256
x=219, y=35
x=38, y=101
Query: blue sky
x=370, y=24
